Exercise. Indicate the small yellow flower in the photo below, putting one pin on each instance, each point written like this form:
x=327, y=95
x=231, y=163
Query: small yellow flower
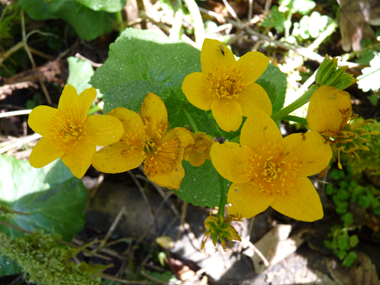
x=146, y=140
x=330, y=114
x=201, y=149
x=268, y=170
x=227, y=86
x=218, y=227
x=68, y=133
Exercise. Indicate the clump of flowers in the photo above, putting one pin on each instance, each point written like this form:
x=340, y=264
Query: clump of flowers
x=68, y=133
x=268, y=170
x=219, y=228
x=146, y=139
x=330, y=114
x=227, y=86
x=200, y=150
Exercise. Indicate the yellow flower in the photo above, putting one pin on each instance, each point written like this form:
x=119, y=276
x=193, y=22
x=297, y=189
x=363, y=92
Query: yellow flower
x=201, y=149
x=227, y=86
x=68, y=133
x=146, y=140
x=330, y=114
x=218, y=227
x=268, y=170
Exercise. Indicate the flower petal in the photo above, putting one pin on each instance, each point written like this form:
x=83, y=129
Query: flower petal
x=212, y=55
x=43, y=153
x=103, y=130
x=247, y=200
x=227, y=113
x=252, y=65
x=301, y=202
x=260, y=132
x=309, y=151
x=74, y=106
x=196, y=158
x=154, y=115
x=185, y=137
x=78, y=159
x=195, y=86
x=170, y=179
x=231, y=160
x=117, y=158
x=326, y=109
x=253, y=97
x=40, y=118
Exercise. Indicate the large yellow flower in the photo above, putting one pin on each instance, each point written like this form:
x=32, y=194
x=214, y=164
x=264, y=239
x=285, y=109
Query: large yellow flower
x=146, y=140
x=268, y=170
x=68, y=133
x=227, y=86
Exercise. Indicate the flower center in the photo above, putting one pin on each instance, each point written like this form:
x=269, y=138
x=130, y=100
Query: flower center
x=66, y=132
x=202, y=145
x=225, y=83
x=160, y=157
x=271, y=172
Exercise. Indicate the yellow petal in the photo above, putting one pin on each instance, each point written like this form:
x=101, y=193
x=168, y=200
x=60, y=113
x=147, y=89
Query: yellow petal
x=301, y=202
x=309, y=151
x=247, y=200
x=74, y=106
x=227, y=113
x=43, y=153
x=103, y=130
x=253, y=97
x=117, y=158
x=212, y=55
x=154, y=115
x=185, y=137
x=195, y=86
x=252, y=65
x=170, y=179
x=326, y=109
x=231, y=160
x=78, y=159
x=196, y=158
x=40, y=119
x=260, y=132
x=132, y=123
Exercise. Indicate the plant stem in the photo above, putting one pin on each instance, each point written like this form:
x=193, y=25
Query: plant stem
x=191, y=121
x=295, y=119
x=296, y=104
x=222, y=202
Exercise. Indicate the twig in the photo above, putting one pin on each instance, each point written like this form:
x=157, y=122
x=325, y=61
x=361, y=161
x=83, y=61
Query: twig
x=231, y=11
x=111, y=229
x=15, y=113
x=94, y=64
x=322, y=36
x=183, y=217
x=153, y=278
x=110, y=277
x=250, y=8
x=18, y=142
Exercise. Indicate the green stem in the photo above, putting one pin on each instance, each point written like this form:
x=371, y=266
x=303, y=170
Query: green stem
x=191, y=121
x=119, y=19
x=295, y=119
x=222, y=202
x=296, y=104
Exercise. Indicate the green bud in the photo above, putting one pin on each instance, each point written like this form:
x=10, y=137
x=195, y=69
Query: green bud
x=329, y=75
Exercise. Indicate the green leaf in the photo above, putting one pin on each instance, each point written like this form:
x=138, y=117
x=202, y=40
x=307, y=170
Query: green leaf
x=354, y=240
x=80, y=72
x=104, y=5
x=274, y=75
x=143, y=55
x=369, y=79
x=88, y=23
x=349, y=259
x=348, y=218
x=343, y=241
x=275, y=19
x=201, y=186
x=51, y=198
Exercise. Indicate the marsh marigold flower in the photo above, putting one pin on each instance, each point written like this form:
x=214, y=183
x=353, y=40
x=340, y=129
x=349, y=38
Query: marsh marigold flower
x=227, y=86
x=268, y=170
x=68, y=133
x=330, y=114
x=146, y=140
x=200, y=151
